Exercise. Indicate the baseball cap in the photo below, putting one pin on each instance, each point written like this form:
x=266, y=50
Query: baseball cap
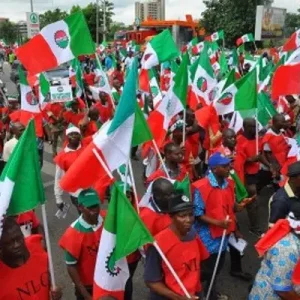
x=88, y=198
x=218, y=159
x=179, y=202
x=294, y=169
x=71, y=128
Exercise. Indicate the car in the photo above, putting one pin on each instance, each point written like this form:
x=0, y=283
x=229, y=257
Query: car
x=58, y=75
x=54, y=76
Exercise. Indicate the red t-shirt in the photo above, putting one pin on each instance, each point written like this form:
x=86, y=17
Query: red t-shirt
x=89, y=78
x=30, y=281
x=72, y=117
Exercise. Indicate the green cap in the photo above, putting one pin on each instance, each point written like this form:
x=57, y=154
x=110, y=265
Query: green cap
x=88, y=198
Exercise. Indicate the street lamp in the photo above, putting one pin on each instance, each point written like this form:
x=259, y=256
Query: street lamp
x=31, y=5
x=97, y=20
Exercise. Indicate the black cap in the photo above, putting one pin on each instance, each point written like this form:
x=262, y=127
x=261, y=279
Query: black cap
x=179, y=202
x=294, y=169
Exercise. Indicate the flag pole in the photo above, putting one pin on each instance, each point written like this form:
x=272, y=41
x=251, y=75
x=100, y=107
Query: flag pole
x=184, y=127
x=108, y=172
x=134, y=187
x=256, y=134
x=217, y=262
x=172, y=270
x=48, y=245
x=126, y=175
x=160, y=158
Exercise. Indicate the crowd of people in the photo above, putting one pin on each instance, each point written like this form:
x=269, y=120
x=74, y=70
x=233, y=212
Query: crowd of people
x=194, y=232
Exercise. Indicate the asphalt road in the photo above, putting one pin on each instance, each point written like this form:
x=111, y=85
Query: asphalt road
x=234, y=288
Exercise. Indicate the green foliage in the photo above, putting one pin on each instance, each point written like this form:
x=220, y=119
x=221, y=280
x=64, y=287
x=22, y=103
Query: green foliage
x=90, y=12
x=292, y=23
x=9, y=32
x=235, y=17
x=51, y=16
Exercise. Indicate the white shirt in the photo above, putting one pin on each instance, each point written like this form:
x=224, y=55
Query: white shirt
x=128, y=62
x=9, y=147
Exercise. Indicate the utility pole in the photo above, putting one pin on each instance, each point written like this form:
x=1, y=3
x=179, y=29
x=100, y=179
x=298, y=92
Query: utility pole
x=97, y=22
x=104, y=20
x=31, y=5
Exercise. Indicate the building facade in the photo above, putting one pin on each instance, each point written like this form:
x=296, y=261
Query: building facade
x=154, y=9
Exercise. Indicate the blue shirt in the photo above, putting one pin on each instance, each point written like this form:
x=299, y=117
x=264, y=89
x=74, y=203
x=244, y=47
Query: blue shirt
x=212, y=244
x=275, y=273
x=108, y=63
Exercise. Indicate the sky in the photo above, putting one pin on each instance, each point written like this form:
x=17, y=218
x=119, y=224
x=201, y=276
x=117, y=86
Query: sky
x=124, y=9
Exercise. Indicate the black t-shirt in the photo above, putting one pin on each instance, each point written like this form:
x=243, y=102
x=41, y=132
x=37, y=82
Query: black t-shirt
x=281, y=203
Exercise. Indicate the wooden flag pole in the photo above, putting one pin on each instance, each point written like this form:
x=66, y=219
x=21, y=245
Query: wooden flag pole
x=184, y=127
x=48, y=245
x=134, y=187
x=160, y=158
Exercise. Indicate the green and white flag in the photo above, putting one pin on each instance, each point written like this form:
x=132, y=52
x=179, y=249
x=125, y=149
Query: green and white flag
x=154, y=87
x=78, y=73
x=29, y=102
x=44, y=89
x=204, y=79
x=160, y=49
x=117, y=242
x=241, y=95
x=21, y=186
x=219, y=35
x=56, y=44
x=102, y=46
x=245, y=39
x=265, y=112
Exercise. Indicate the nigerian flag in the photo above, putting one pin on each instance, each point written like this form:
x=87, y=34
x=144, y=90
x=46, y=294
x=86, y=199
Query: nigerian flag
x=118, y=241
x=244, y=39
x=21, y=186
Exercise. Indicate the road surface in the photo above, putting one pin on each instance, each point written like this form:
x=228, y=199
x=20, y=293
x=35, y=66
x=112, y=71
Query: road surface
x=234, y=288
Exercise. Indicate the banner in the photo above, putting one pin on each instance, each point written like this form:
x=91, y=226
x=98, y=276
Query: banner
x=61, y=93
x=269, y=23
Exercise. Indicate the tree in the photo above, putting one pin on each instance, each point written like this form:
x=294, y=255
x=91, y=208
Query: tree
x=90, y=13
x=235, y=17
x=9, y=32
x=292, y=23
x=52, y=16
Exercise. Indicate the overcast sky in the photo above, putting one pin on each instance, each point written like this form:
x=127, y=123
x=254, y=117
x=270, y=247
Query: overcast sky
x=124, y=9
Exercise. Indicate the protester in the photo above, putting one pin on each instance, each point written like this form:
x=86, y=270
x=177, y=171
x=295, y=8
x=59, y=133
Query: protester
x=116, y=90
x=24, y=264
x=246, y=164
x=129, y=60
x=55, y=113
x=118, y=74
x=280, y=248
x=184, y=251
x=89, y=77
x=9, y=146
x=214, y=211
x=154, y=212
x=64, y=160
x=281, y=202
x=80, y=243
x=74, y=115
x=173, y=162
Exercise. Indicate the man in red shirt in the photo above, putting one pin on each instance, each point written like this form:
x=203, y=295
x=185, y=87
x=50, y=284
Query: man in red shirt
x=54, y=113
x=80, y=243
x=89, y=77
x=173, y=162
x=104, y=107
x=74, y=115
x=118, y=74
x=23, y=264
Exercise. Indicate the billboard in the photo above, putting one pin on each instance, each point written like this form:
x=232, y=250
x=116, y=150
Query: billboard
x=269, y=22
x=33, y=24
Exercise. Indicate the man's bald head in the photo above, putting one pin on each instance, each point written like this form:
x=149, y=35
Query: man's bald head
x=278, y=121
x=249, y=126
x=18, y=128
x=229, y=138
x=162, y=189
